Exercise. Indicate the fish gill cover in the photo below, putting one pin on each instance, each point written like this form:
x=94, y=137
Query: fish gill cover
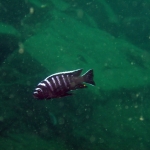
x=42, y=37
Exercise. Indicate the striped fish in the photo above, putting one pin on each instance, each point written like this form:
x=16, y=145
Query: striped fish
x=60, y=84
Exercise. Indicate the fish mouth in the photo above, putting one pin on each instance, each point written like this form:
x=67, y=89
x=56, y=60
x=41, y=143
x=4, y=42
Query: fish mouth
x=35, y=94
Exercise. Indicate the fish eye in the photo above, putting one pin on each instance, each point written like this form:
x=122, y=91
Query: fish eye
x=39, y=90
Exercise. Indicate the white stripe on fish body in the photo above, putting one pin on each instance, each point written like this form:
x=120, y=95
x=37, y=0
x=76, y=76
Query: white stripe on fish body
x=61, y=83
x=54, y=82
x=49, y=85
x=57, y=77
x=42, y=84
x=64, y=81
x=67, y=80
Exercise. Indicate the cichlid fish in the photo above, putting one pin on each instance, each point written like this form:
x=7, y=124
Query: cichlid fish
x=60, y=84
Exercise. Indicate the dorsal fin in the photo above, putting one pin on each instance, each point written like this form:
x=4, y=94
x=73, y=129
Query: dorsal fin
x=77, y=73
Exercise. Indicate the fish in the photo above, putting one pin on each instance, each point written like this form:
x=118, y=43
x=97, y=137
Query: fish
x=62, y=84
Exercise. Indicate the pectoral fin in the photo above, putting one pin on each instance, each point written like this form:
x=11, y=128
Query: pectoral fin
x=80, y=86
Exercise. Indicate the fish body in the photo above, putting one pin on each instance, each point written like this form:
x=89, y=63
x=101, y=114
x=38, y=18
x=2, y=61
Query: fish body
x=60, y=84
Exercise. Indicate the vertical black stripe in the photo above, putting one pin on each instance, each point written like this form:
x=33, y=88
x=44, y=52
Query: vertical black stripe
x=59, y=81
x=67, y=80
x=56, y=82
x=52, y=83
x=51, y=80
x=57, y=77
x=48, y=86
x=64, y=81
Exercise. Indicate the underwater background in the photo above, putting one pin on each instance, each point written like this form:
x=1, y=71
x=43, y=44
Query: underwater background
x=42, y=37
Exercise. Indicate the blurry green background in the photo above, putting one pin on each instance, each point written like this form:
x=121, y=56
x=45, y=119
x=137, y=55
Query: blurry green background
x=42, y=37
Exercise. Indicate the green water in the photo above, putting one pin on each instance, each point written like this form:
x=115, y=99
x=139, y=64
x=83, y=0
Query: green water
x=42, y=37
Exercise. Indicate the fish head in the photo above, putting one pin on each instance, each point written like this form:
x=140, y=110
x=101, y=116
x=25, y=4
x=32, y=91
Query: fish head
x=38, y=93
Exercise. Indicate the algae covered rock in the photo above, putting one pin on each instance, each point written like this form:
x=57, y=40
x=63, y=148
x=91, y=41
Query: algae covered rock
x=7, y=29
x=30, y=142
x=67, y=44
x=9, y=40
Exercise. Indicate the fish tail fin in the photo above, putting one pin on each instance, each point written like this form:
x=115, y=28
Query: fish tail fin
x=88, y=77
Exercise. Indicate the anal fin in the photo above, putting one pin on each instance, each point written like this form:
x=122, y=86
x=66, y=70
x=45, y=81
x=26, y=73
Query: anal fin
x=66, y=94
